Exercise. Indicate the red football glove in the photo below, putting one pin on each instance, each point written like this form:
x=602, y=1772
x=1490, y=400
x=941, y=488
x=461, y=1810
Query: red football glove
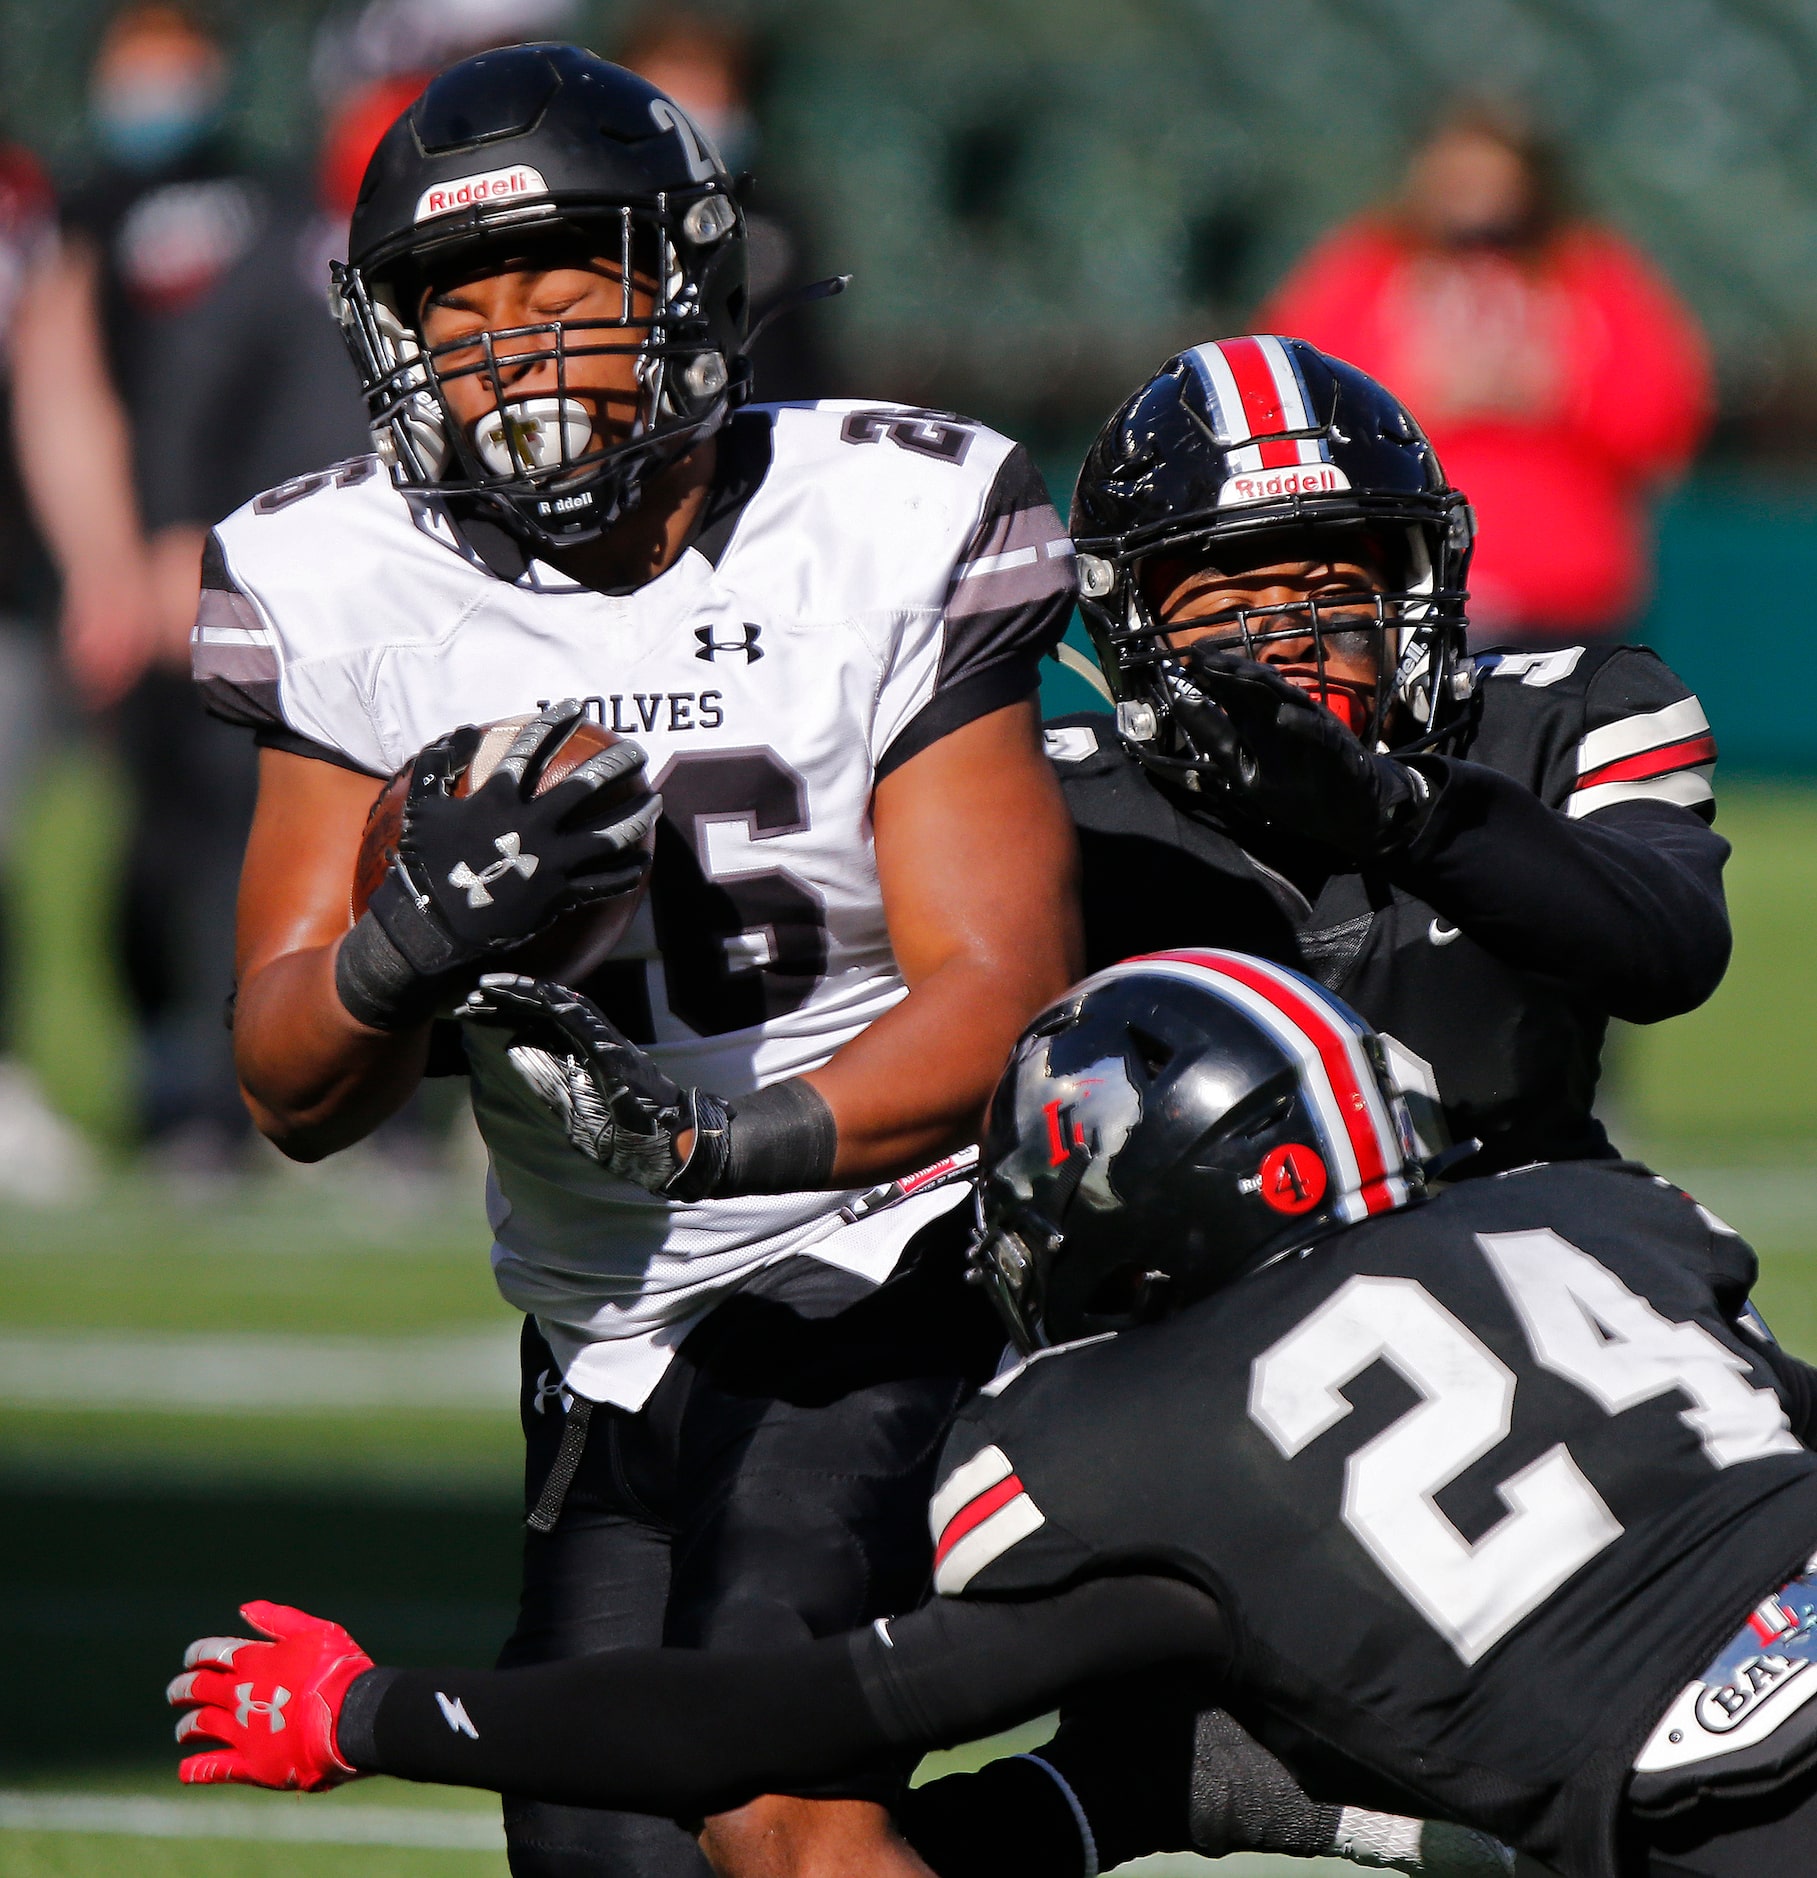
x=272, y=1706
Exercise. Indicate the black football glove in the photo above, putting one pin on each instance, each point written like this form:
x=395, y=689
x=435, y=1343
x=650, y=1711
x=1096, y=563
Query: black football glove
x=1281, y=759
x=616, y=1106
x=476, y=875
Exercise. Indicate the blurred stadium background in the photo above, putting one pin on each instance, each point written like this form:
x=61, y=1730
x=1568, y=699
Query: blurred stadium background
x=1039, y=200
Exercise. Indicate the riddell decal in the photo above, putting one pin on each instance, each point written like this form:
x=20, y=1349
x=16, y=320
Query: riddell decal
x=1301, y=479
x=464, y=192
x=1292, y=1179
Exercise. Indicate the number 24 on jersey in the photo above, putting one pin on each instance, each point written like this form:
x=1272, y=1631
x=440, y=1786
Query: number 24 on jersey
x=1583, y=1324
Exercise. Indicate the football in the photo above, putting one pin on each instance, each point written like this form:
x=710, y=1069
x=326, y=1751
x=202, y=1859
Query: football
x=579, y=942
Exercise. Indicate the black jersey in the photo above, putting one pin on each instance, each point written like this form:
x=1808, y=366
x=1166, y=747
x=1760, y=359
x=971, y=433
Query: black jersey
x=1567, y=873
x=1479, y=1487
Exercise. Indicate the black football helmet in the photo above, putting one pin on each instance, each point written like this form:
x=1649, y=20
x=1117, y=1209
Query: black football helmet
x=1172, y=1123
x=1229, y=442
x=505, y=155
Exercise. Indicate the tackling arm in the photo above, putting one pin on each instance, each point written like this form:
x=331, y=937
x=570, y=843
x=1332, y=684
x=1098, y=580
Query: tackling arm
x=679, y=1732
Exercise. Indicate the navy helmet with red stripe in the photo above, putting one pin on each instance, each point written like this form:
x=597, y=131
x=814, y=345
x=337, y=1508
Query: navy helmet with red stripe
x=1226, y=447
x=1172, y=1123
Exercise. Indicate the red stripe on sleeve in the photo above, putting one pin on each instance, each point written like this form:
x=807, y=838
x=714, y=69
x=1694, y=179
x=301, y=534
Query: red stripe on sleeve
x=974, y=1513
x=1688, y=754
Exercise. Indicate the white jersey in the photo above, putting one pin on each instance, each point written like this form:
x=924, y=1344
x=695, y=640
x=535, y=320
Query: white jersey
x=867, y=579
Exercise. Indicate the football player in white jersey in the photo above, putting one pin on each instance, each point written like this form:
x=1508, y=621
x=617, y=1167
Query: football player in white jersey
x=821, y=623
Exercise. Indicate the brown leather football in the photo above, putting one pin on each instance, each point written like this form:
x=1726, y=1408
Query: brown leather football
x=579, y=942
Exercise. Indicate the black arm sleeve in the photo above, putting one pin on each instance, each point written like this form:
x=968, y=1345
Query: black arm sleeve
x=1626, y=905
x=689, y=1732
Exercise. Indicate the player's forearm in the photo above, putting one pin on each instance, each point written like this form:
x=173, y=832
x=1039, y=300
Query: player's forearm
x=979, y=869
x=688, y=1732
x=1626, y=905
x=915, y=1084
x=315, y=1079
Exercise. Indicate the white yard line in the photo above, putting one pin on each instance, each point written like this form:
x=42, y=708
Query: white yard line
x=243, y=1373
x=296, y=1822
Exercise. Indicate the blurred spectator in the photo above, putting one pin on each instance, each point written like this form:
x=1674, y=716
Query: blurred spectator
x=1559, y=378
x=171, y=361
x=705, y=66
x=41, y=1157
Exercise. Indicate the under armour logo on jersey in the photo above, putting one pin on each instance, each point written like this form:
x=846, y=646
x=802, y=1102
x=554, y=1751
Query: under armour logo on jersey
x=511, y=860
x=711, y=644
x=454, y=1713
x=273, y=1710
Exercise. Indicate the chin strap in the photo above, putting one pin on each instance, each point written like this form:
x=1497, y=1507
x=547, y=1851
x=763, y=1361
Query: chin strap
x=794, y=299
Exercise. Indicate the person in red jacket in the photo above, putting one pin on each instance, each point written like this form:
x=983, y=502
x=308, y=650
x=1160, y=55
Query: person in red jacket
x=1557, y=375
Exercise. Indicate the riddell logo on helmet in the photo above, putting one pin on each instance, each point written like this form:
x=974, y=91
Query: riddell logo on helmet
x=466, y=192
x=1302, y=479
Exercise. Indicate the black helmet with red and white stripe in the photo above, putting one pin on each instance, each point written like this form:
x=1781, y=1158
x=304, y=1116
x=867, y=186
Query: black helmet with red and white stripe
x=1172, y=1123
x=1238, y=441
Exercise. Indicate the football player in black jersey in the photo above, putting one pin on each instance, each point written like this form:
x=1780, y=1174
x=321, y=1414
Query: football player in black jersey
x=1488, y=857
x=1494, y=1503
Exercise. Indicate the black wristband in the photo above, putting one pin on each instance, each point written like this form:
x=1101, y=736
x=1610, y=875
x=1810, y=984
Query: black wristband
x=781, y=1140
x=375, y=982
x=353, y=1727
x=418, y=937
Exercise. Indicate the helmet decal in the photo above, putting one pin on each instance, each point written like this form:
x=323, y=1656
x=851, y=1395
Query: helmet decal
x=1291, y=1179
x=464, y=192
x=1361, y=1140
x=1054, y=1129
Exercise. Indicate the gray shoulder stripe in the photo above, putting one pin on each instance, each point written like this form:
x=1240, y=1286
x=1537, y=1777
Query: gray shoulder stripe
x=1021, y=582
x=224, y=616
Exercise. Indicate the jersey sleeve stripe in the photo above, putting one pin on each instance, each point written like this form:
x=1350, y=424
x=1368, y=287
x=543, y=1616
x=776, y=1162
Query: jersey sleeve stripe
x=985, y=1542
x=1692, y=753
x=964, y=1484
x=1687, y=788
x=233, y=659
x=975, y=1513
x=1646, y=730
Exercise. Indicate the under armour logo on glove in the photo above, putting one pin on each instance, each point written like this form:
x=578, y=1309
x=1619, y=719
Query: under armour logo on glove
x=285, y=1739
x=248, y=1706
x=512, y=860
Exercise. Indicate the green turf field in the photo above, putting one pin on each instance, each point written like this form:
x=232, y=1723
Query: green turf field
x=168, y=1445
